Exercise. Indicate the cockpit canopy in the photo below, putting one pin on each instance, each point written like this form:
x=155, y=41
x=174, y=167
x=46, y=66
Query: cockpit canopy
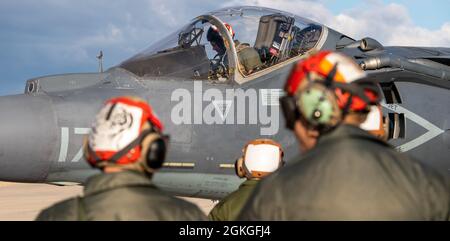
x=255, y=39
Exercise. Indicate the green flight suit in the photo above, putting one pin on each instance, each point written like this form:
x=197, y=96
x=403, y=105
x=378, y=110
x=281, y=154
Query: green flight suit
x=249, y=58
x=351, y=175
x=126, y=195
x=229, y=208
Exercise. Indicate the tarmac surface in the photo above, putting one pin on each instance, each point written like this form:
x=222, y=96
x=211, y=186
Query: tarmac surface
x=23, y=201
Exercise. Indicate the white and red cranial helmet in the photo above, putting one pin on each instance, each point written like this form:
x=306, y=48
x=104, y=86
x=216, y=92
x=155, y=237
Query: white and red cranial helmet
x=351, y=91
x=118, y=124
x=347, y=72
x=227, y=26
x=230, y=29
x=261, y=157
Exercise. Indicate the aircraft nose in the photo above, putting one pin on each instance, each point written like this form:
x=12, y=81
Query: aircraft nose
x=27, y=137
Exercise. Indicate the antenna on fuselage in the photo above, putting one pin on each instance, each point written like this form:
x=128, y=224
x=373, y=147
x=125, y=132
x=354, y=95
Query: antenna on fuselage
x=100, y=61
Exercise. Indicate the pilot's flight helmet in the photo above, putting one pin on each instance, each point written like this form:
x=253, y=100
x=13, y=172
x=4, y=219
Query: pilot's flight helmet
x=213, y=35
x=260, y=158
x=324, y=87
x=126, y=132
x=230, y=29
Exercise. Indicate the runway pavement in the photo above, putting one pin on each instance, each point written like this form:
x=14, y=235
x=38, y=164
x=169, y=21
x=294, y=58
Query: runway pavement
x=23, y=201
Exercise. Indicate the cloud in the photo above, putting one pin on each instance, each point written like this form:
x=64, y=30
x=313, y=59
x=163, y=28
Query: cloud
x=76, y=30
x=56, y=36
x=391, y=23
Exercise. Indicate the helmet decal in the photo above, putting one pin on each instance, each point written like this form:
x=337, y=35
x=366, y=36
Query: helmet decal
x=116, y=126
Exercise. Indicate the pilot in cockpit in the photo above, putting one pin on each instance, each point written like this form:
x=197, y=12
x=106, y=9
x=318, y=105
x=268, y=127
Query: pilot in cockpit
x=249, y=58
x=216, y=40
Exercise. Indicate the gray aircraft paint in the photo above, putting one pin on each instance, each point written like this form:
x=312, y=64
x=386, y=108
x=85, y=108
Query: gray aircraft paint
x=432, y=130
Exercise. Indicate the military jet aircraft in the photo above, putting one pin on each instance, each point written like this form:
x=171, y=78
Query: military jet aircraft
x=215, y=96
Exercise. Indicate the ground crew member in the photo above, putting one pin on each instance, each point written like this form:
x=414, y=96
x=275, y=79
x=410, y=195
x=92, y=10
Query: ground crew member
x=260, y=158
x=345, y=173
x=126, y=143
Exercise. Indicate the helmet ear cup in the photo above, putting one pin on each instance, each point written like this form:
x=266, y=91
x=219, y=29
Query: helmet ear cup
x=239, y=167
x=153, y=152
x=318, y=105
x=290, y=111
x=156, y=154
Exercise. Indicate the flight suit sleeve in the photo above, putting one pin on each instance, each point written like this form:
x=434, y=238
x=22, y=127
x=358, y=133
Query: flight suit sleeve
x=45, y=215
x=63, y=211
x=191, y=213
x=228, y=209
x=251, y=210
x=434, y=189
x=216, y=213
x=264, y=205
x=197, y=215
x=438, y=192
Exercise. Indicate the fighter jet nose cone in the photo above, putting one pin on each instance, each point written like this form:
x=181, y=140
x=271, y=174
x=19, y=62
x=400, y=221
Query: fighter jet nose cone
x=27, y=138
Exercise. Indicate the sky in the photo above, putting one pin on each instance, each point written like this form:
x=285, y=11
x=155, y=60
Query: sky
x=46, y=37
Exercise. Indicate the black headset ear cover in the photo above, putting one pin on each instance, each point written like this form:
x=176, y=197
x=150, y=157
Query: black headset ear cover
x=156, y=154
x=239, y=167
x=290, y=111
x=154, y=149
x=282, y=162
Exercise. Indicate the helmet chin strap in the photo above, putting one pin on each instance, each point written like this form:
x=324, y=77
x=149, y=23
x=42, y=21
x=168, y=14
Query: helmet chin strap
x=330, y=77
x=330, y=84
x=346, y=109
